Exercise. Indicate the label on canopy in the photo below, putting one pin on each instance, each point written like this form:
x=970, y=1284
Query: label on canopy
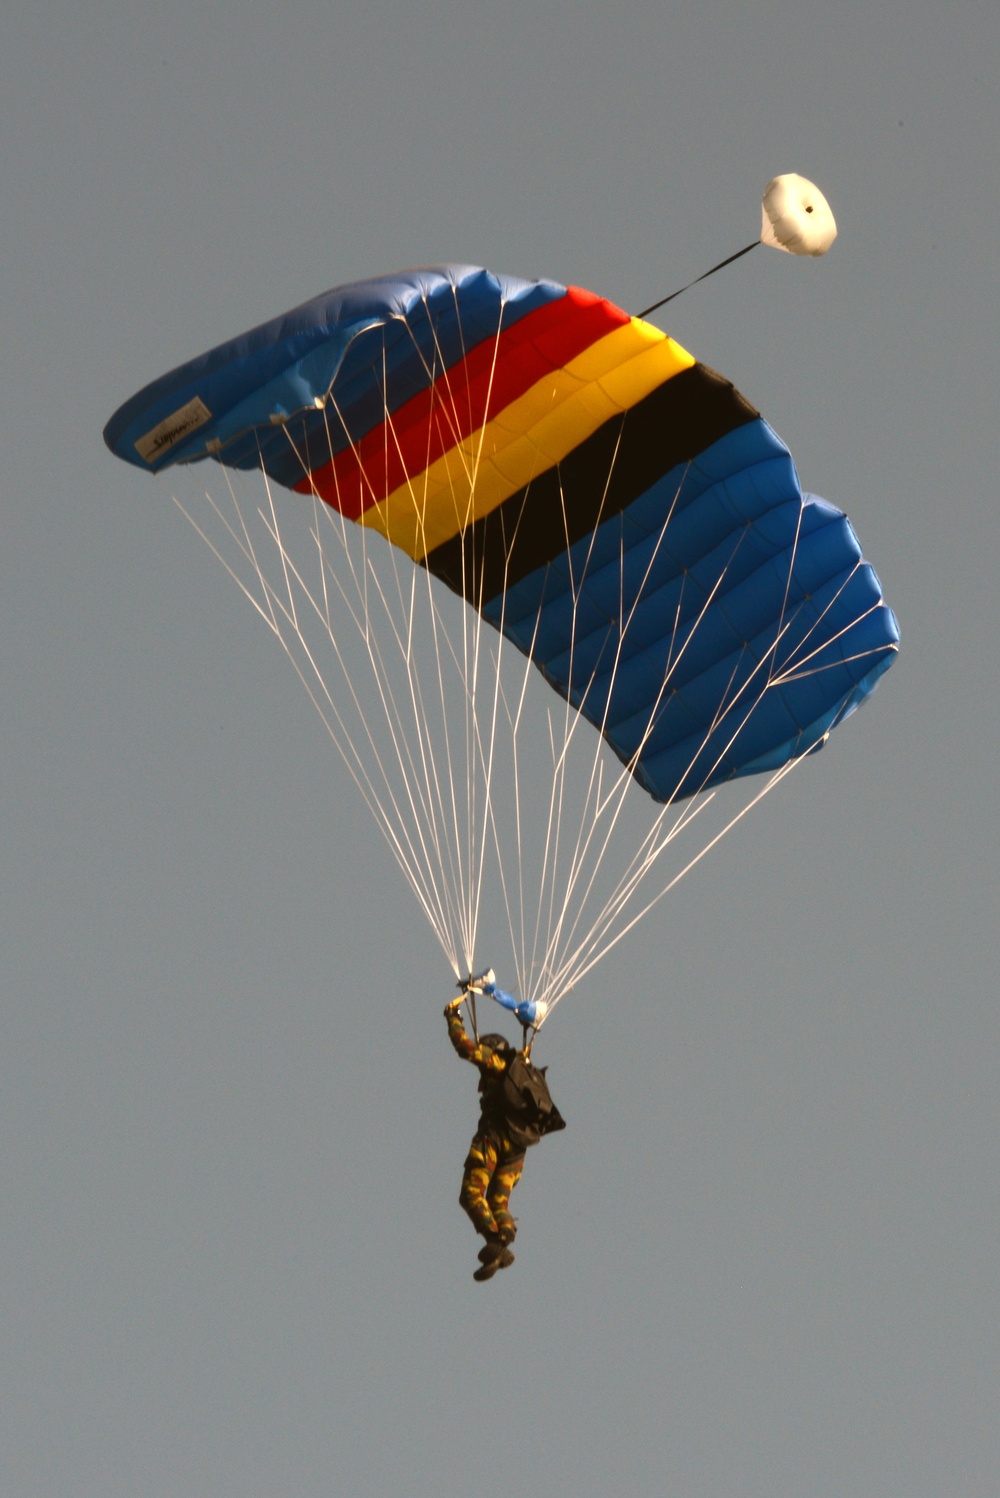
x=173, y=429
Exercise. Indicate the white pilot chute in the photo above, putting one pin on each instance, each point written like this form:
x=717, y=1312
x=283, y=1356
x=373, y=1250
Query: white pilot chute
x=796, y=217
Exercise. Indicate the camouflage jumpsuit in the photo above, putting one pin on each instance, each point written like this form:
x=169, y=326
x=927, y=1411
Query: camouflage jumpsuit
x=494, y=1162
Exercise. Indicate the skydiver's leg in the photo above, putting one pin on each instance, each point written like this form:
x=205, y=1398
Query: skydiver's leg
x=480, y=1164
x=505, y=1178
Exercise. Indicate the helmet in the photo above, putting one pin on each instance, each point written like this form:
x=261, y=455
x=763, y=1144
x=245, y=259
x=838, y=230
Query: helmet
x=497, y=1043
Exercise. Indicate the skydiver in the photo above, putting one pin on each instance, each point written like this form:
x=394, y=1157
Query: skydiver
x=516, y=1110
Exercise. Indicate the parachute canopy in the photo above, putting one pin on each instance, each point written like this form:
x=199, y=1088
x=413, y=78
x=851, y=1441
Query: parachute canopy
x=613, y=507
x=796, y=217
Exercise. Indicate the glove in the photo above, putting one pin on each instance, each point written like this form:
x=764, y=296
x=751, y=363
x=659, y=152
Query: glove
x=450, y=1009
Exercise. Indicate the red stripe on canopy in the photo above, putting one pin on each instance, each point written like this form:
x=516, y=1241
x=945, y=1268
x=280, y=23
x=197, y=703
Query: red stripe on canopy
x=461, y=400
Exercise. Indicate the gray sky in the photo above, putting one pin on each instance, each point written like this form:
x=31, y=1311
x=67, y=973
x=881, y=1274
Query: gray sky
x=762, y=1260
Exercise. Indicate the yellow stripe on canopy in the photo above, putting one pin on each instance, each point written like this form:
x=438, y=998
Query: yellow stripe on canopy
x=530, y=435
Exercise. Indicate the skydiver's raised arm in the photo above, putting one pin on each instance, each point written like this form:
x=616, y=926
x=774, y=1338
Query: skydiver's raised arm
x=483, y=1056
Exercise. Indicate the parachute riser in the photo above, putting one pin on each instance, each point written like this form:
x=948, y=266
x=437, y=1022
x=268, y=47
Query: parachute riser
x=469, y=994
